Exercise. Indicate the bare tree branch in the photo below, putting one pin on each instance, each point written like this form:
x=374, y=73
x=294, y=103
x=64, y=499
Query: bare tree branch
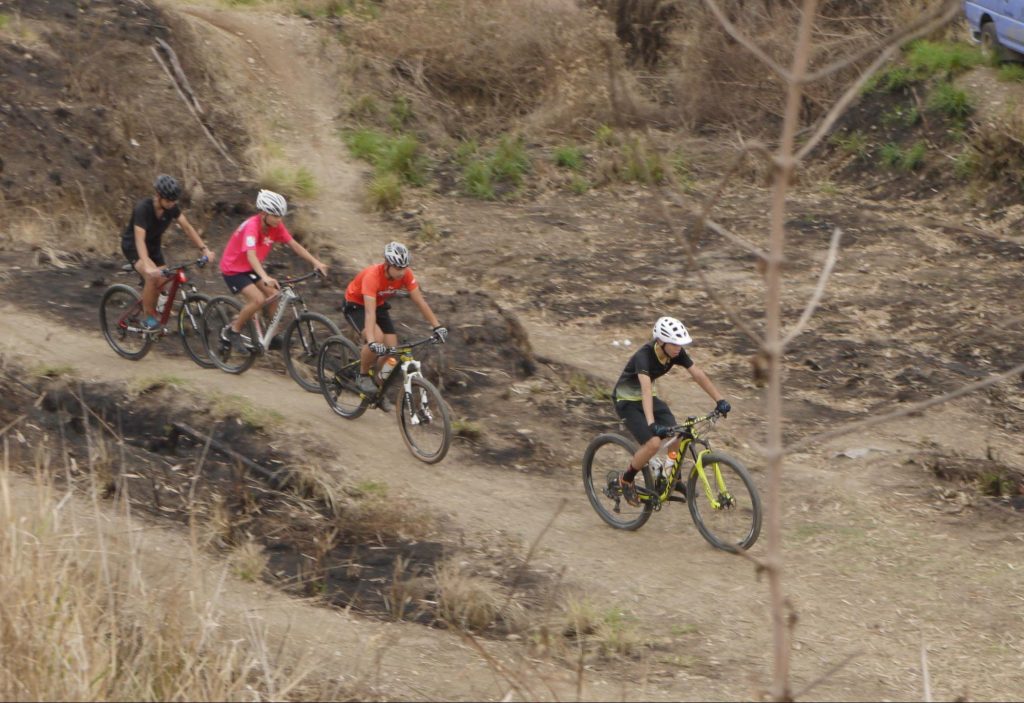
x=940, y=15
x=735, y=239
x=734, y=32
x=691, y=254
x=819, y=290
x=826, y=674
x=825, y=125
x=810, y=440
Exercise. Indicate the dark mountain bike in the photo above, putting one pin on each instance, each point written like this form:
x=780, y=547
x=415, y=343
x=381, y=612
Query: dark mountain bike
x=121, y=315
x=723, y=500
x=302, y=339
x=423, y=416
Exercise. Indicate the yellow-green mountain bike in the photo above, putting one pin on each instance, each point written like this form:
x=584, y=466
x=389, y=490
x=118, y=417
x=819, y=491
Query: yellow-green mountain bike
x=722, y=497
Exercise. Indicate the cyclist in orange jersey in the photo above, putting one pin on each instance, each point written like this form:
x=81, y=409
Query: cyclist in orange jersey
x=367, y=309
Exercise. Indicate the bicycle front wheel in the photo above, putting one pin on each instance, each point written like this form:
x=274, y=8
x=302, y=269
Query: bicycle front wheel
x=302, y=343
x=190, y=329
x=337, y=369
x=606, y=457
x=424, y=420
x=219, y=313
x=735, y=523
x=121, y=322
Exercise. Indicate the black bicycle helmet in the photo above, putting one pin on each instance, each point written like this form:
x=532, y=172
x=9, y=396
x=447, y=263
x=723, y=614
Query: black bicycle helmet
x=167, y=187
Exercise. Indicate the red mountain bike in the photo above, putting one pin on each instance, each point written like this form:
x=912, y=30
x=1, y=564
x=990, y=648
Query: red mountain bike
x=121, y=315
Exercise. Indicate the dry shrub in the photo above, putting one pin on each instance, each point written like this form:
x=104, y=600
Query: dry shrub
x=707, y=80
x=997, y=150
x=84, y=620
x=464, y=600
x=475, y=67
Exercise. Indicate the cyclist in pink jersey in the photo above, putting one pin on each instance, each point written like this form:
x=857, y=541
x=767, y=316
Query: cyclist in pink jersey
x=367, y=309
x=242, y=261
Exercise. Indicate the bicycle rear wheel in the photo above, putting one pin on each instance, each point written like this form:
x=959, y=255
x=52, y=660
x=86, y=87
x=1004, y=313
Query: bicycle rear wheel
x=424, y=420
x=302, y=342
x=190, y=329
x=736, y=523
x=218, y=314
x=605, y=458
x=337, y=369
x=121, y=322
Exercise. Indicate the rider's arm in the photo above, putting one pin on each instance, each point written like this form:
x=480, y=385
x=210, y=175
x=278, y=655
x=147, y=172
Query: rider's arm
x=370, y=312
x=257, y=267
x=417, y=297
x=646, y=396
x=704, y=382
x=194, y=236
x=140, y=247
x=313, y=261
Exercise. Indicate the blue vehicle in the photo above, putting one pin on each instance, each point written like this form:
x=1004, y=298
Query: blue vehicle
x=999, y=26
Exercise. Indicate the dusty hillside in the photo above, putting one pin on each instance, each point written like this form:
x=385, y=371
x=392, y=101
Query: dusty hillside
x=887, y=549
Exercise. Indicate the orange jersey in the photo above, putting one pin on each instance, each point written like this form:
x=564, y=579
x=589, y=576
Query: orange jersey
x=374, y=281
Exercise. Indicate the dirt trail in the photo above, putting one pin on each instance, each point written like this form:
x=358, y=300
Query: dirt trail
x=873, y=568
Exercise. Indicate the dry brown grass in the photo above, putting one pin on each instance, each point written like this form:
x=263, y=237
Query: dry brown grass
x=84, y=620
x=476, y=67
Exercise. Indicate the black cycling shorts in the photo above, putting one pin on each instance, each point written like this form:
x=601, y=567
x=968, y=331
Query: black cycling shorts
x=132, y=254
x=356, y=316
x=238, y=281
x=632, y=414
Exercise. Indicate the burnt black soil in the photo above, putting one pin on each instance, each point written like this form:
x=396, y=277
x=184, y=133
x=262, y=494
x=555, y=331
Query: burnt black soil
x=133, y=447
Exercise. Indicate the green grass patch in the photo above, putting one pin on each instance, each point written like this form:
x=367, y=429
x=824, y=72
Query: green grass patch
x=853, y=143
x=641, y=165
x=478, y=179
x=891, y=80
x=287, y=179
x=366, y=144
x=401, y=155
x=927, y=58
x=909, y=159
x=510, y=161
x=578, y=184
x=467, y=428
x=372, y=488
x=605, y=135
x=569, y=157
x=401, y=113
x=5, y=21
x=1011, y=73
x=385, y=191
x=950, y=101
x=483, y=173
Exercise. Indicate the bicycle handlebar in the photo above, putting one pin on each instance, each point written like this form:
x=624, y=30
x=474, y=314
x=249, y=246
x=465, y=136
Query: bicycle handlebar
x=412, y=345
x=681, y=428
x=170, y=269
x=299, y=279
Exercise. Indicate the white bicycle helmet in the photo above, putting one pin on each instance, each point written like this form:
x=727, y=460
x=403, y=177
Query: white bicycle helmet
x=671, y=331
x=397, y=255
x=271, y=203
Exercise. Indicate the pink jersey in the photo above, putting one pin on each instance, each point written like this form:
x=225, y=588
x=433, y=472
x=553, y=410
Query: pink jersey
x=251, y=235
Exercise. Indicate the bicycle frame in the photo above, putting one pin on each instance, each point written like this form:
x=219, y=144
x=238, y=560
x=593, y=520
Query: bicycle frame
x=285, y=298
x=176, y=281
x=410, y=367
x=687, y=447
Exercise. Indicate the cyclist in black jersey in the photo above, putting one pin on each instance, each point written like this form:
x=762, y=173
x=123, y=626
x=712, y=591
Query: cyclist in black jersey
x=646, y=416
x=141, y=240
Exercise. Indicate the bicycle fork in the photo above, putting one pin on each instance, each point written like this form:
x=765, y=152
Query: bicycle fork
x=723, y=499
x=417, y=415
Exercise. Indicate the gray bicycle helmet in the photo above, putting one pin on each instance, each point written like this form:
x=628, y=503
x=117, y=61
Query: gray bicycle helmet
x=271, y=203
x=167, y=187
x=397, y=255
